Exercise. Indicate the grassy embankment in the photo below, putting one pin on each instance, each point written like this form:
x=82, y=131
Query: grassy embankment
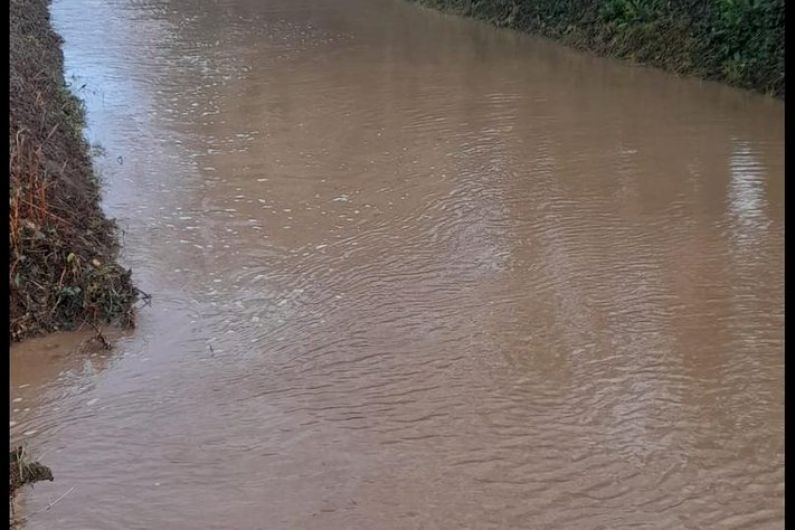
x=738, y=42
x=62, y=249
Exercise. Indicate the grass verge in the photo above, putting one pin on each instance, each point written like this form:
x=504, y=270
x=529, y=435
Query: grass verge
x=738, y=42
x=62, y=249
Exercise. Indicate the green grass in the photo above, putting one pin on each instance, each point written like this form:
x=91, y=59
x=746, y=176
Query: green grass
x=739, y=42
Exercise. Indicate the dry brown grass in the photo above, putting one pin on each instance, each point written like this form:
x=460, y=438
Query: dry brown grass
x=62, y=250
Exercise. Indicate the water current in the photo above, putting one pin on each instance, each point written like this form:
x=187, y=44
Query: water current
x=411, y=271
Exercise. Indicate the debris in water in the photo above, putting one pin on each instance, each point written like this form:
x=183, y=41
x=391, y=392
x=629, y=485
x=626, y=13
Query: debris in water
x=23, y=471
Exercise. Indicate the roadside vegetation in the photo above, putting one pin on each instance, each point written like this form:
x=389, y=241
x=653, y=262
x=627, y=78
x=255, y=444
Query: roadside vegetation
x=63, y=272
x=62, y=249
x=739, y=42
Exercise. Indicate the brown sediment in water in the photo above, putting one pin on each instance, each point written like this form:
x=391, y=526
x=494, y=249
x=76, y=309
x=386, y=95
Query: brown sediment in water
x=414, y=272
x=62, y=249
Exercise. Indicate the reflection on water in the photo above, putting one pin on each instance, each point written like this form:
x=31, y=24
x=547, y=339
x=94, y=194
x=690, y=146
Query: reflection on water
x=411, y=271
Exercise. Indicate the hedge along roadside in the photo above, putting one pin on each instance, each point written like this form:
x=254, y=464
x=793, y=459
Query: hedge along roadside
x=738, y=42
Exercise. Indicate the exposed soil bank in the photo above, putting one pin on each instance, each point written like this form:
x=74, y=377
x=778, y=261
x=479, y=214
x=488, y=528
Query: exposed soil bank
x=62, y=248
x=739, y=42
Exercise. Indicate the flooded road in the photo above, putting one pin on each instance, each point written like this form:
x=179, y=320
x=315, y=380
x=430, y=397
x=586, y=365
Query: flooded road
x=410, y=271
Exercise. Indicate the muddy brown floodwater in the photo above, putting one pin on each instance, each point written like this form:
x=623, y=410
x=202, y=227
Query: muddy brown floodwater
x=410, y=271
